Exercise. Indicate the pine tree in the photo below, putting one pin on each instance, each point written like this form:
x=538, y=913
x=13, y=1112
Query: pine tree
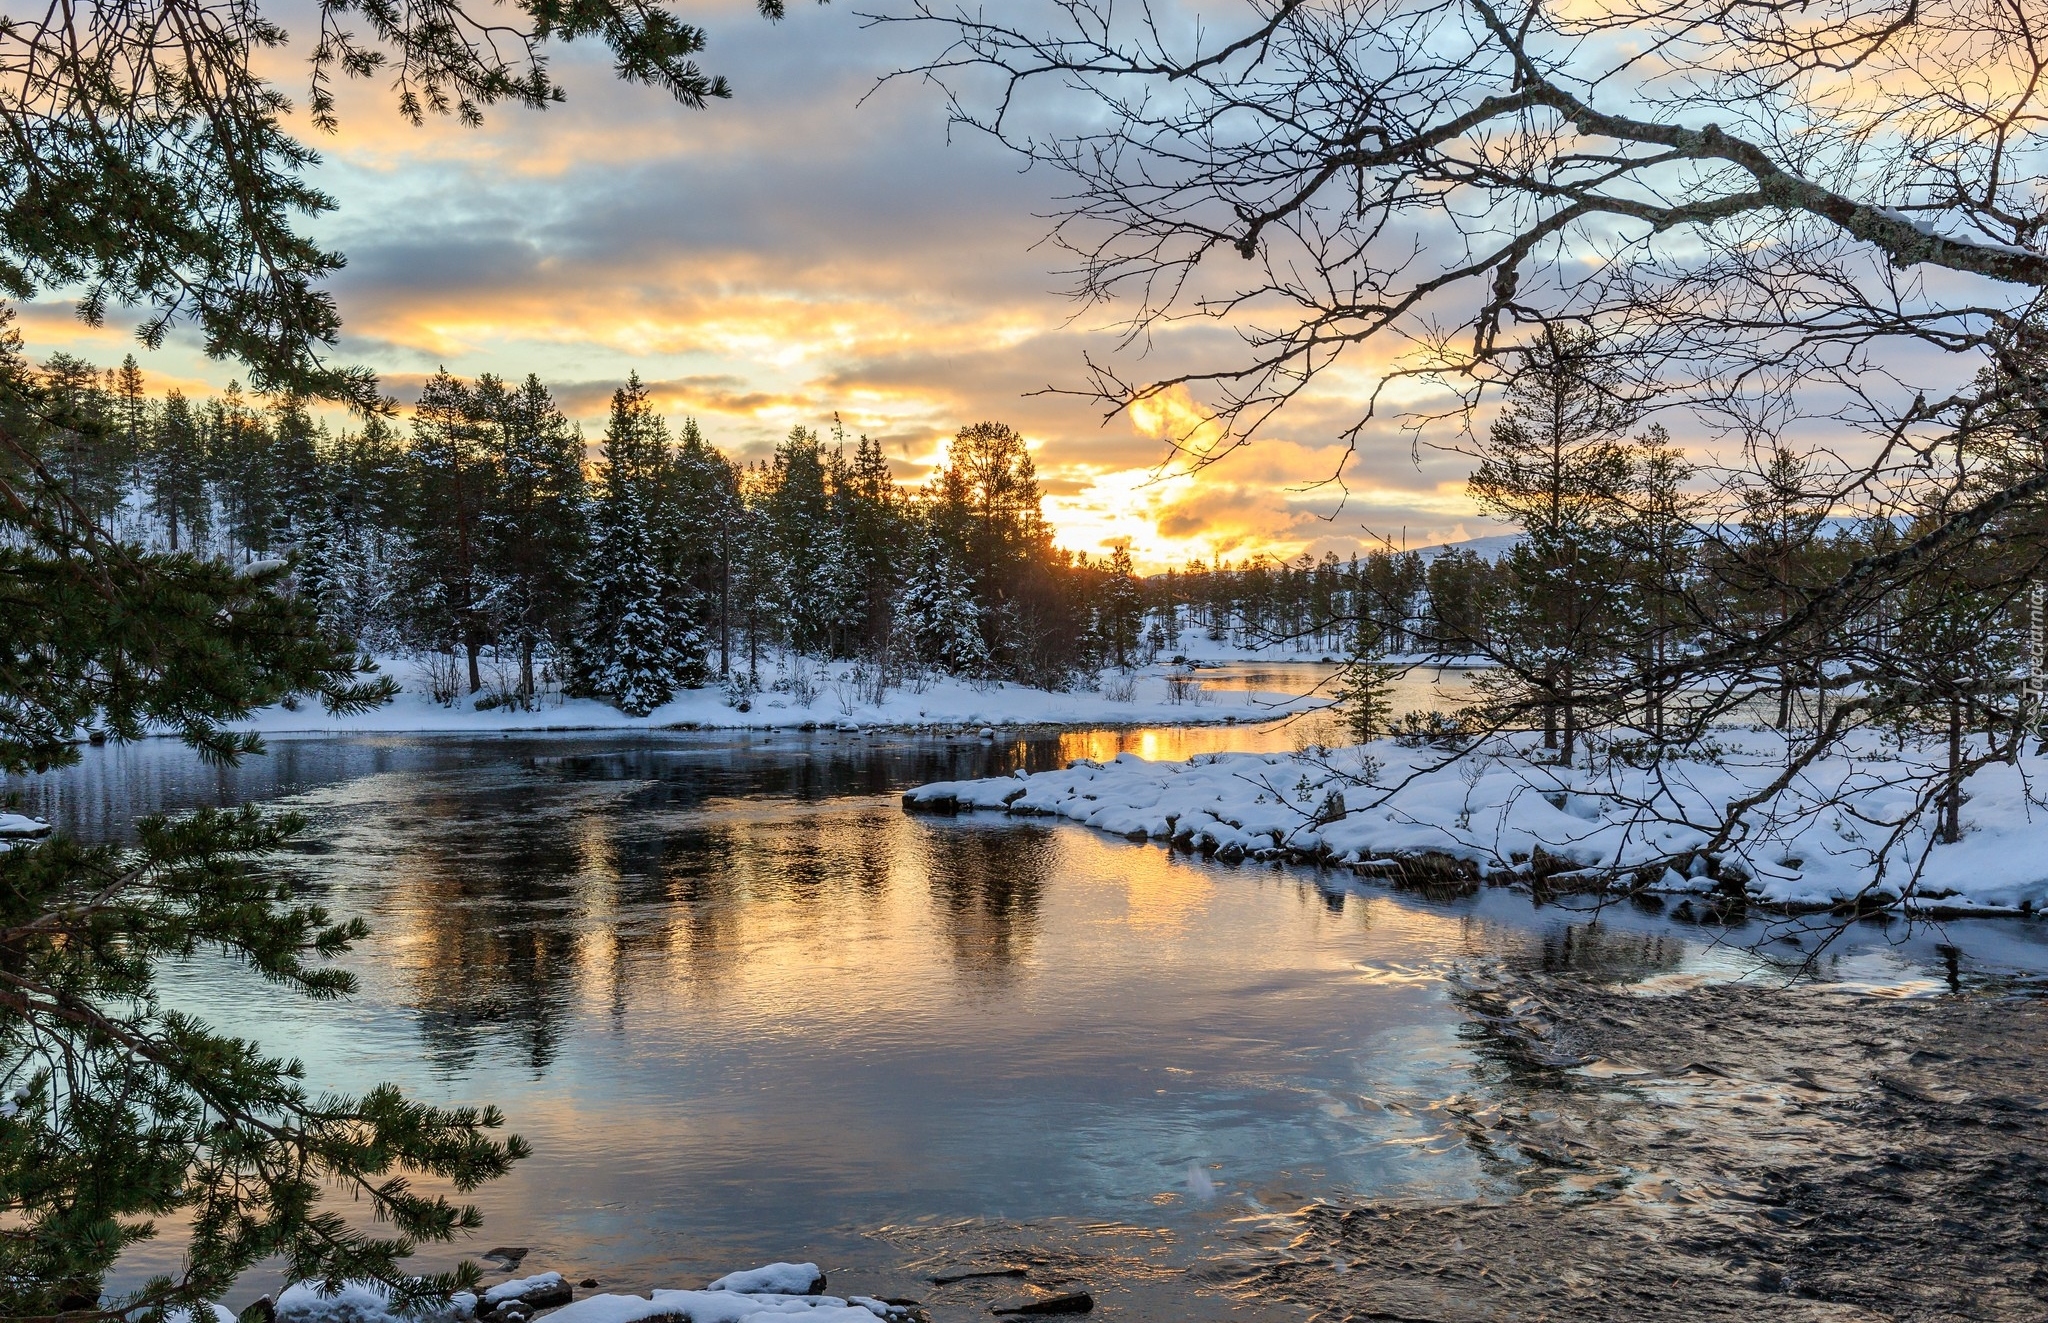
x=936, y=612
x=131, y=409
x=175, y=473
x=692, y=511
x=811, y=582
x=630, y=651
x=1777, y=549
x=80, y=447
x=1122, y=607
x=873, y=520
x=985, y=502
x=299, y=494
x=1553, y=463
x=1658, y=544
x=1363, y=687
x=118, y=1113
x=151, y=166
x=535, y=528
x=449, y=591
x=236, y=444
x=708, y=505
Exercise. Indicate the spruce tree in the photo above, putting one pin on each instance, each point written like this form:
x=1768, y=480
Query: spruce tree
x=692, y=505
x=875, y=530
x=1361, y=692
x=707, y=507
x=83, y=447
x=535, y=529
x=936, y=611
x=449, y=590
x=810, y=558
x=630, y=652
x=1122, y=607
x=237, y=445
x=174, y=469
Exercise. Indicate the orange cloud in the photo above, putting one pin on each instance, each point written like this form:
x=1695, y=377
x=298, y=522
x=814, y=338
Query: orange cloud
x=790, y=255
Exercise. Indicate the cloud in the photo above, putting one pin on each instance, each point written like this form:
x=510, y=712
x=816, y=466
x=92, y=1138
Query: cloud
x=803, y=250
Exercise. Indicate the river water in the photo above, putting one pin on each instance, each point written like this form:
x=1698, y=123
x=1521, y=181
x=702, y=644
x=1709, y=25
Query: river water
x=745, y=1008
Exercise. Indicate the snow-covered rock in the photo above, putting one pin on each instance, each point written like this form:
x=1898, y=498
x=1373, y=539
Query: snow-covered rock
x=540, y=1291
x=774, y=1293
x=360, y=1302
x=1855, y=825
x=773, y=1279
x=19, y=826
x=726, y=1307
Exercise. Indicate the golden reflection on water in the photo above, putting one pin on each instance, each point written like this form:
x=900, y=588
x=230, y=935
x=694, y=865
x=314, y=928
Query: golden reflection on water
x=1176, y=744
x=736, y=1025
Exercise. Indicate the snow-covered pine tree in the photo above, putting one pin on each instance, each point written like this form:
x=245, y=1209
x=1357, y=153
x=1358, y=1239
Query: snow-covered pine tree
x=83, y=449
x=692, y=510
x=535, y=529
x=300, y=495
x=874, y=521
x=935, y=610
x=447, y=585
x=631, y=652
x=809, y=559
x=234, y=441
x=317, y=566
x=174, y=474
x=1121, y=611
x=1363, y=687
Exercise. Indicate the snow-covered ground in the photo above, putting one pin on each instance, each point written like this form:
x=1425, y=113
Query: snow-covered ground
x=835, y=699
x=1852, y=825
x=775, y=1293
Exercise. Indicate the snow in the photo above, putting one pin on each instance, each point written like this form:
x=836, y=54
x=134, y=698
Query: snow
x=212, y=1314
x=1850, y=825
x=774, y=1279
x=359, y=1302
x=521, y=1287
x=948, y=702
x=18, y=824
x=713, y=1306
x=769, y=1294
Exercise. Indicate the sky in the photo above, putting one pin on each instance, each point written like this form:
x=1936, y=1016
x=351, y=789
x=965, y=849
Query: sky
x=815, y=245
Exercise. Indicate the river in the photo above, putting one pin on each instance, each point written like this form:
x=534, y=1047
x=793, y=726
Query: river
x=745, y=1008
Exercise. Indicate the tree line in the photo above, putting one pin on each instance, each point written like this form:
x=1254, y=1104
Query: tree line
x=480, y=535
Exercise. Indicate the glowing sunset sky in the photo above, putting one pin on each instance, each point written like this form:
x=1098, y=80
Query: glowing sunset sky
x=775, y=258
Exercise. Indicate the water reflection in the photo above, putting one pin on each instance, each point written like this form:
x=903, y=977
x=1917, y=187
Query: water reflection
x=745, y=1008
x=987, y=886
x=1416, y=688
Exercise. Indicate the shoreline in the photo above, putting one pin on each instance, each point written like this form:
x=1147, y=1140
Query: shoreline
x=1419, y=817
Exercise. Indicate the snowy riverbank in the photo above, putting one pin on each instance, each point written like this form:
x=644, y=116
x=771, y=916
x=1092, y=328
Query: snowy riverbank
x=826, y=696
x=1850, y=828
x=774, y=1293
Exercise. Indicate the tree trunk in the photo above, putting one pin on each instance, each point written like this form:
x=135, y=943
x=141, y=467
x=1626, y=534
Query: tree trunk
x=1952, y=797
x=476, y=678
x=526, y=667
x=1549, y=707
x=725, y=616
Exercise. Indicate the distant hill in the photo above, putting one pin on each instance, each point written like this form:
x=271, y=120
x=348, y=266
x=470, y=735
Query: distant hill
x=1491, y=547
x=1495, y=545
